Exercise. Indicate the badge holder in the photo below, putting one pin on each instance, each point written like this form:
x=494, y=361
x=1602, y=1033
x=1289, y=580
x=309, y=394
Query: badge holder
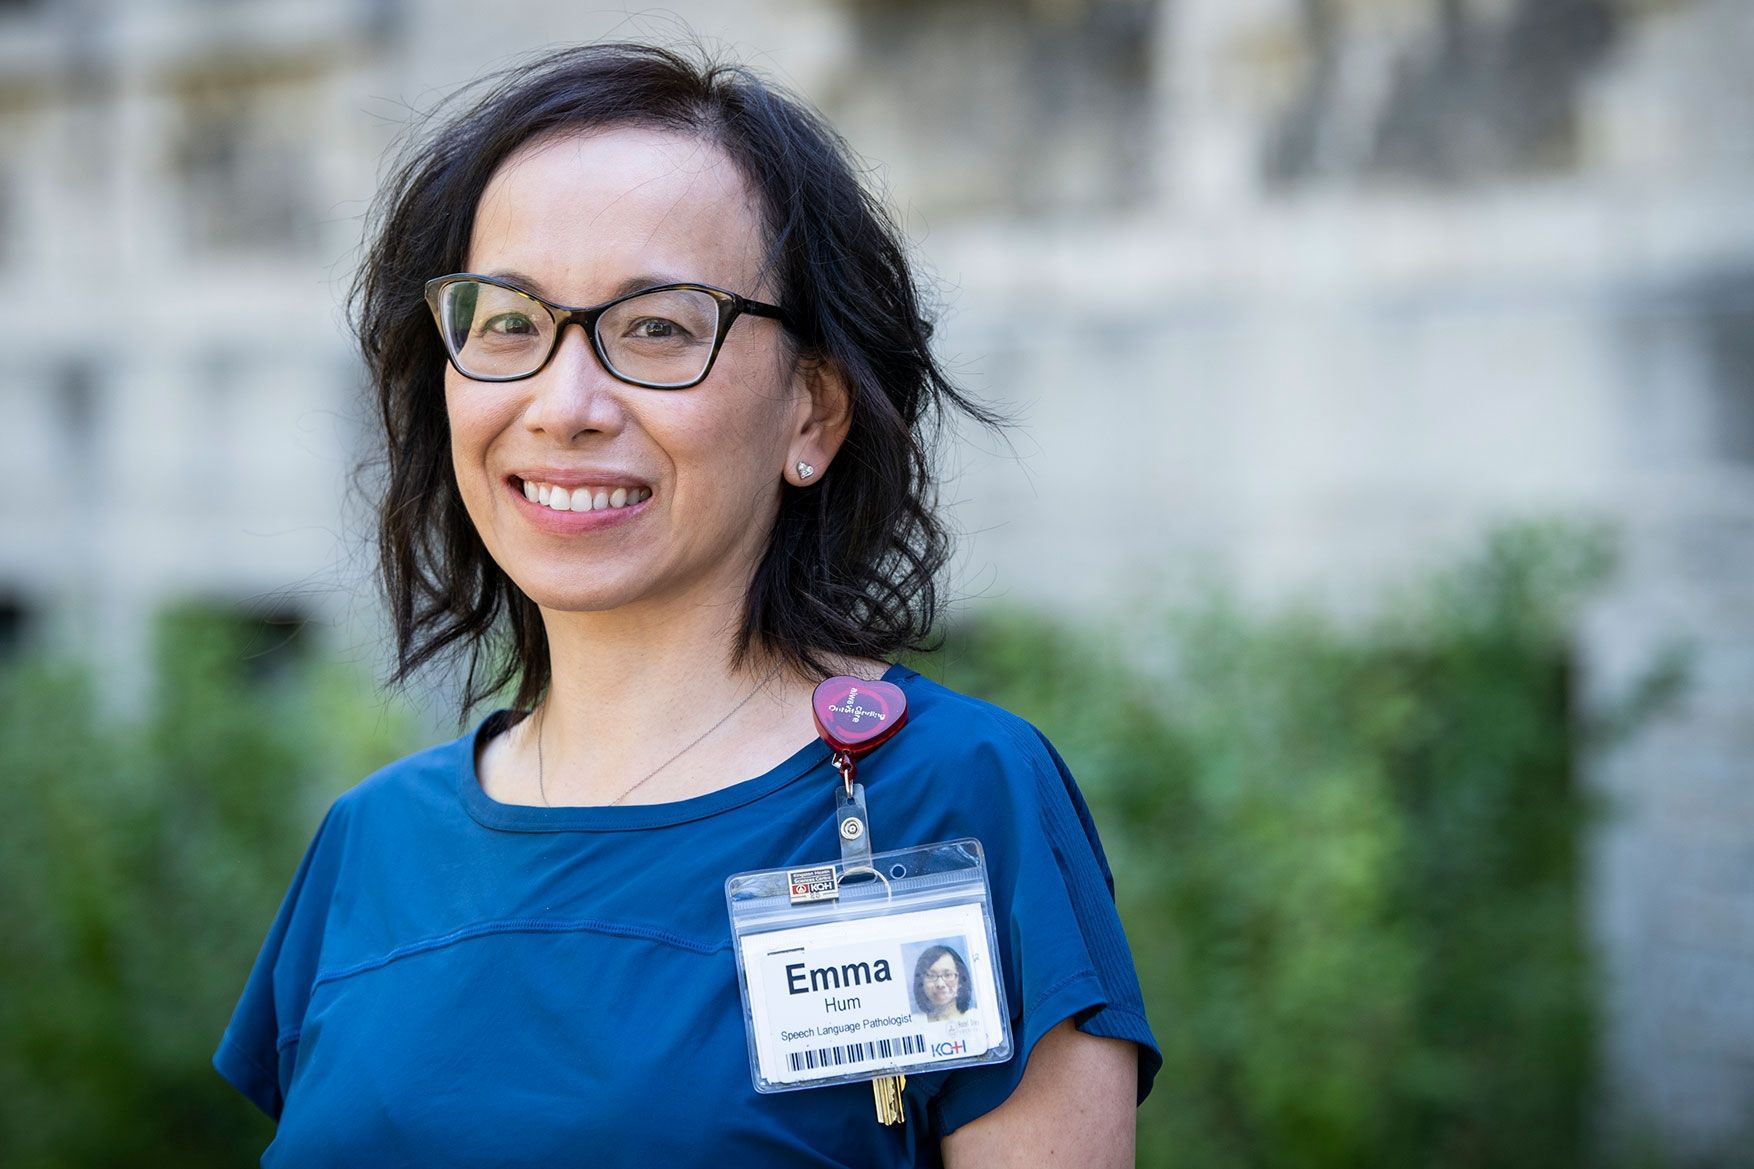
x=877, y=966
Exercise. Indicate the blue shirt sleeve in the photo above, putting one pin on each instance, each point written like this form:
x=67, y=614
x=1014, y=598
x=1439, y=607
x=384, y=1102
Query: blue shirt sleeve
x=1062, y=950
x=260, y=1044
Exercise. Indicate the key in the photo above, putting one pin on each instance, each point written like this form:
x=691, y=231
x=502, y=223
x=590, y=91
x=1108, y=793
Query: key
x=888, y=1090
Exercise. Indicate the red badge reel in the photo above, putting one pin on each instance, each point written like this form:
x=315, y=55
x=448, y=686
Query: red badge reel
x=854, y=716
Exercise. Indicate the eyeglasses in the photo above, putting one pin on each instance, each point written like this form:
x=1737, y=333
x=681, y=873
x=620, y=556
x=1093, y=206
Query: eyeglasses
x=663, y=338
x=949, y=979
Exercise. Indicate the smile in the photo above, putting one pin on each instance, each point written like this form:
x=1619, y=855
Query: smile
x=583, y=498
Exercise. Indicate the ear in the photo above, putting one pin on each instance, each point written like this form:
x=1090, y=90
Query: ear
x=823, y=418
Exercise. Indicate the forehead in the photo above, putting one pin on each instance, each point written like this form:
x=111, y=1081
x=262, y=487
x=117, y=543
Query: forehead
x=946, y=961
x=581, y=214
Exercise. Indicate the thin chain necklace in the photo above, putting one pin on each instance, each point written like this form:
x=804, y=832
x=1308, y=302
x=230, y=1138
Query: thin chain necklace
x=543, y=719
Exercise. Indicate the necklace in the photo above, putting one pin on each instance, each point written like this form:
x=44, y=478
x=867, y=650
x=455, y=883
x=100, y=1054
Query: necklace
x=542, y=720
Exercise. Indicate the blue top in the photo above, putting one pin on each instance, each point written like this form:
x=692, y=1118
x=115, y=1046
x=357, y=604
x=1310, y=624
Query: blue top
x=456, y=981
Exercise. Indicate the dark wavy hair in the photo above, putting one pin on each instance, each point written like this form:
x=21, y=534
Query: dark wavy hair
x=964, y=991
x=851, y=564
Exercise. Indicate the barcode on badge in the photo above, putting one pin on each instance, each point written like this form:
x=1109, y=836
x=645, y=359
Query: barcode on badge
x=828, y=1057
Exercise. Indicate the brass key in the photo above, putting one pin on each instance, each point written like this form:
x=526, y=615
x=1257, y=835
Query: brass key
x=888, y=1090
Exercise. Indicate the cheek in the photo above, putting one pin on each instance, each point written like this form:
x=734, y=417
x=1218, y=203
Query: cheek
x=457, y=419
x=762, y=422
x=740, y=438
x=472, y=421
x=463, y=446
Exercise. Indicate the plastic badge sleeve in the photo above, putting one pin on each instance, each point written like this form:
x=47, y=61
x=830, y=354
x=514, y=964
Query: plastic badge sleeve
x=848, y=973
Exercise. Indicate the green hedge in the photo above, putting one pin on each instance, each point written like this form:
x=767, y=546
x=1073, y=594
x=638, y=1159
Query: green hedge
x=1348, y=859
x=142, y=865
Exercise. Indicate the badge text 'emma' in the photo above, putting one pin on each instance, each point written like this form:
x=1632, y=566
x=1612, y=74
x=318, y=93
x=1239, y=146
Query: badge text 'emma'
x=802, y=979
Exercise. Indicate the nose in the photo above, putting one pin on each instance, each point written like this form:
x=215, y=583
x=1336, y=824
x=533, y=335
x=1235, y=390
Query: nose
x=574, y=395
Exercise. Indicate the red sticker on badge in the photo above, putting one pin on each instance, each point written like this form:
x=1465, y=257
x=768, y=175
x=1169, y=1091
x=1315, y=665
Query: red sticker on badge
x=854, y=715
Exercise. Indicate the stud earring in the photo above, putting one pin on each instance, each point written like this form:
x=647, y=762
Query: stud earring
x=805, y=470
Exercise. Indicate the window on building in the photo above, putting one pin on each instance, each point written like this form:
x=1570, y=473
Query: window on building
x=243, y=160
x=247, y=643
x=78, y=410
x=1450, y=92
x=1726, y=328
x=15, y=621
x=274, y=643
x=1010, y=104
x=8, y=215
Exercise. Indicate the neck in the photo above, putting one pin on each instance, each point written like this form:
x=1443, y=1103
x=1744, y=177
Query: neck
x=631, y=693
x=612, y=673
x=627, y=694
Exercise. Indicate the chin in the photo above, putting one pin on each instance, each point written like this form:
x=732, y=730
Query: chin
x=575, y=596
x=575, y=601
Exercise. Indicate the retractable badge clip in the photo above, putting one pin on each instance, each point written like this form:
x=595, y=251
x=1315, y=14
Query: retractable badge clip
x=853, y=717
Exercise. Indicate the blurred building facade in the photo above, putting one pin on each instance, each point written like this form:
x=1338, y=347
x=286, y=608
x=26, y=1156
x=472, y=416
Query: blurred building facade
x=1303, y=293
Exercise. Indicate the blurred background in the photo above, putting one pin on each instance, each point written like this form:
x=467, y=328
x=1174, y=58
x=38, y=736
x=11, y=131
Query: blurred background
x=1377, y=542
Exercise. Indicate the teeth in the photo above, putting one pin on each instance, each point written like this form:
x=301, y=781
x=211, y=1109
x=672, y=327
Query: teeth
x=584, y=498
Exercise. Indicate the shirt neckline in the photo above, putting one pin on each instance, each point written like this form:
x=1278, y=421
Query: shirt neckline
x=491, y=813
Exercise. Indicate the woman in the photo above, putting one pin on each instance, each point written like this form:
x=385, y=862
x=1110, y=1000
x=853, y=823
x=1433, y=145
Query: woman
x=668, y=524
x=941, y=984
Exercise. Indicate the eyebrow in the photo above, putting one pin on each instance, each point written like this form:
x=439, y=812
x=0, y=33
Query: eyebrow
x=631, y=284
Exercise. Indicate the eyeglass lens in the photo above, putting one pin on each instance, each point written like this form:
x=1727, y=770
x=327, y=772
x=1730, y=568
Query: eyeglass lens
x=662, y=338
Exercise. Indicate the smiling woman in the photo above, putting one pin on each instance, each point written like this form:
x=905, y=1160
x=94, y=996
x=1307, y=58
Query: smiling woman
x=662, y=529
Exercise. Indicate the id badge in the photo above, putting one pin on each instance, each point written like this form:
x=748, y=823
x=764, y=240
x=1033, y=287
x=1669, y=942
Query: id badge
x=851, y=972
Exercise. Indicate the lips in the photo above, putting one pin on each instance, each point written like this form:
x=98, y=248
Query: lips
x=592, y=517
x=583, y=497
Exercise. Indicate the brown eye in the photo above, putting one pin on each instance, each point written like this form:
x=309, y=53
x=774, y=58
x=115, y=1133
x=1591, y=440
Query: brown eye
x=657, y=329
x=510, y=324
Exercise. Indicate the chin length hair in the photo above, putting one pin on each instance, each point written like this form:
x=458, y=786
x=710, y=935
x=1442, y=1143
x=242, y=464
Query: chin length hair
x=852, y=562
